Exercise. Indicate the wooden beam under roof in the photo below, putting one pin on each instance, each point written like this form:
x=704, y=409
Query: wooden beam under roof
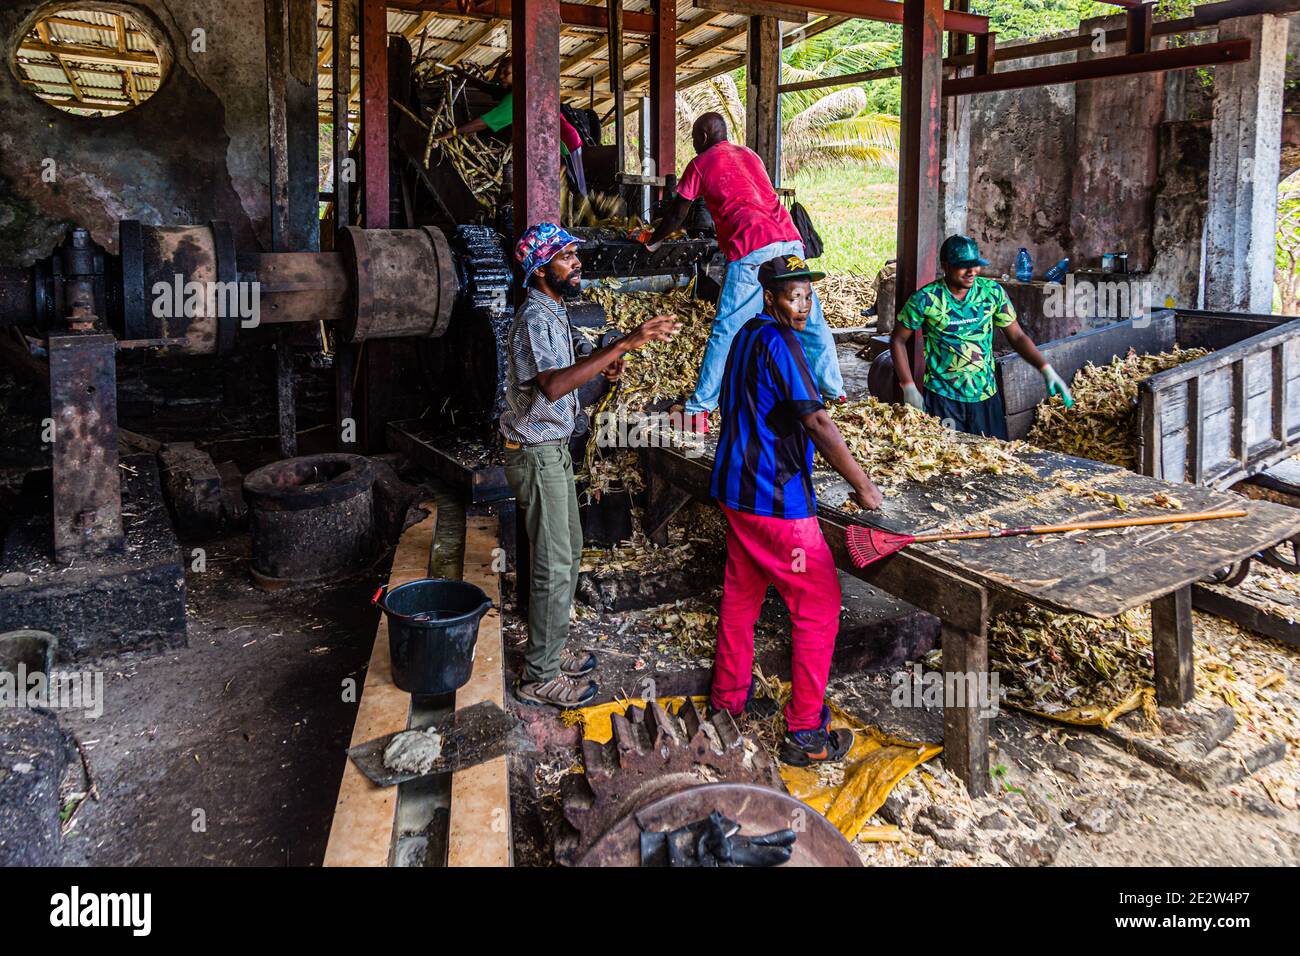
x=476, y=36
x=90, y=54
x=87, y=25
x=690, y=28
x=736, y=62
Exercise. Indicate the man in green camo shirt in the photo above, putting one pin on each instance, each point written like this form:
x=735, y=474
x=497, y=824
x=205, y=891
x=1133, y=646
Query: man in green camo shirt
x=958, y=314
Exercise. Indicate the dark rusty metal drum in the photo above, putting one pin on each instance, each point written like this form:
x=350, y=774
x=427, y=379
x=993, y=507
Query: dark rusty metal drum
x=404, y=282
x=312, y=519
x=181, y=283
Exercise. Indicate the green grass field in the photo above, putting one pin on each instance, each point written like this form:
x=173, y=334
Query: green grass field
x=854, y=211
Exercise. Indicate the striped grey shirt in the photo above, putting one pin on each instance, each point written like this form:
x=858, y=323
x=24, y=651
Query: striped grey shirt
x=540, y=339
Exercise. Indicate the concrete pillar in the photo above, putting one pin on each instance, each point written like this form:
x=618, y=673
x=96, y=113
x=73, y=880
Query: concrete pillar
x=1244, y=156
x=954, y=176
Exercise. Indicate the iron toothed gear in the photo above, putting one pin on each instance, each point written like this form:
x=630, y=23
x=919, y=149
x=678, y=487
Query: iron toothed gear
x=661, y=770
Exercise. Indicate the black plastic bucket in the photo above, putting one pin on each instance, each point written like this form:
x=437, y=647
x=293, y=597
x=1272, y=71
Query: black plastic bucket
x=432, y=632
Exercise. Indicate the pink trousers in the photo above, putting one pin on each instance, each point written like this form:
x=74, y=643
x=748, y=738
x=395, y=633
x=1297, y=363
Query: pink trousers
x=792, y=555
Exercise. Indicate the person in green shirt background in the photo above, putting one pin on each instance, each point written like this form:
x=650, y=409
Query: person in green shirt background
x=502, y=115
x=958, y=314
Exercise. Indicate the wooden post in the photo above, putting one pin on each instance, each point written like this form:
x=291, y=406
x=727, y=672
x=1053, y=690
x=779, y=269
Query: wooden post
x=1171, y=642
x=345, y=28
x=374, y=113
x=345, y=176
x=965, y=732
x=614, y=11
x=919, y=167
x=535, y=29
x=663, y=88
x=763, y=76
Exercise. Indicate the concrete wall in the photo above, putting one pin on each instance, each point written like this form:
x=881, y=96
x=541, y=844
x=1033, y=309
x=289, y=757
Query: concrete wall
x=196, y=150
x=1022, y=160
x=1082, y=169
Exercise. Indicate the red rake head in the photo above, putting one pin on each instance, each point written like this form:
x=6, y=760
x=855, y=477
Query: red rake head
x=868, y=545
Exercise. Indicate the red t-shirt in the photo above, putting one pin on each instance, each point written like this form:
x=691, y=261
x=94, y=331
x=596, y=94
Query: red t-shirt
x=745, y=208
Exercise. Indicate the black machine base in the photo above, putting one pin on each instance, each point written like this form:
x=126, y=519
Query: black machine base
x=106, y=605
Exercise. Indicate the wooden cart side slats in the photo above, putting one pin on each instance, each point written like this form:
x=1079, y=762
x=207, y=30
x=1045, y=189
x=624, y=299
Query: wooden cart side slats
x=1021, y=385
x=1226, y=416
x=1212, y=421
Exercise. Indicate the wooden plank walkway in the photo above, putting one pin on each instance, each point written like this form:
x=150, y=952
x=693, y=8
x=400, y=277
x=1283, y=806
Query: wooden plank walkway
x=362, y=831
x=480, y=796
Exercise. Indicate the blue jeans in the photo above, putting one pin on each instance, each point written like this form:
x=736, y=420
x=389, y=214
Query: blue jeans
x=741, y=300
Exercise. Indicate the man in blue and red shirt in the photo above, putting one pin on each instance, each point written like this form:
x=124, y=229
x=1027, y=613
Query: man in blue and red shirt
x=772, y=418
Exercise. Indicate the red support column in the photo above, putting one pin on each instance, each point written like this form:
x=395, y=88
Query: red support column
x=535, y=46
x=663, y=88
x=919, y=166
x=374, y=113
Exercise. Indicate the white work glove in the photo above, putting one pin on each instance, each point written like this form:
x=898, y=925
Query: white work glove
x=912, y=396
x=1056, y=385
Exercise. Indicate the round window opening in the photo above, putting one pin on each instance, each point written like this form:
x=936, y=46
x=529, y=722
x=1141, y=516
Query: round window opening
x=91, y=59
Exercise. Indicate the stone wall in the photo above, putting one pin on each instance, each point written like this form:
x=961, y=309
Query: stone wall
x=196, y=150
x=1021, y=168
x=1081, y=169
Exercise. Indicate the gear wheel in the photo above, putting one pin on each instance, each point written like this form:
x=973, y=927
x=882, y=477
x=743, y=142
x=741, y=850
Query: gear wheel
x=651, y=753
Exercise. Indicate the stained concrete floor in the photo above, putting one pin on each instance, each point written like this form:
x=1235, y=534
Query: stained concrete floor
x=228, y=751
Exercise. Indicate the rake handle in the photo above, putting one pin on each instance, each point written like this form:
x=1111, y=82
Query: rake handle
x=1081, y=526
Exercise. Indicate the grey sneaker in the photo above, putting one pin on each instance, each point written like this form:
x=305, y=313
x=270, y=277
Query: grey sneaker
x=562, y=691
x=576, y=663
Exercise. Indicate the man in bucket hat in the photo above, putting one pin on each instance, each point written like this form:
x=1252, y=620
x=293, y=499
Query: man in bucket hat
x=542, y=379
x=958, y=314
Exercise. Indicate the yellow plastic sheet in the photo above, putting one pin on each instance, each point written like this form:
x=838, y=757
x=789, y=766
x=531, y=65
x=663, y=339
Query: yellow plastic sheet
x=872, y=768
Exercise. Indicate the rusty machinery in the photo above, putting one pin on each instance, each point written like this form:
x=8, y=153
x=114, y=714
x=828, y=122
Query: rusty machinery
x=662, y=771
x=380, y=284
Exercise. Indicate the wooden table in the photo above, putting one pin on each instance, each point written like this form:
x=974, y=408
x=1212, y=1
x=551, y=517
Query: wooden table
x=964, y=583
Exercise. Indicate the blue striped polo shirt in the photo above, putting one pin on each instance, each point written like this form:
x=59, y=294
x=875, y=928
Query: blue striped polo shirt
x=764, y=461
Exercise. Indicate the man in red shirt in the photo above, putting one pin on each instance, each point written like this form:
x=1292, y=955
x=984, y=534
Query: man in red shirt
x=753, y=227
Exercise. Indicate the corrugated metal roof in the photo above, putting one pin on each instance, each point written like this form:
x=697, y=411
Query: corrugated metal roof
x=443, y=34
x=85, y=42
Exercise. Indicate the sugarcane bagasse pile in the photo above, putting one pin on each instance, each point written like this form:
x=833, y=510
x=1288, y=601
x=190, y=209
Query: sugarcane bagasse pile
x=1102, y=423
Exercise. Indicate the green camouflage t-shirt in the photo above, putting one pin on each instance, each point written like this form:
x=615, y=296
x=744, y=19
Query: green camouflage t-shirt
x=959, y=337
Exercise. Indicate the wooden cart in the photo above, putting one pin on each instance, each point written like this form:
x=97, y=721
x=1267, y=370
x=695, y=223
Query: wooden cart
x=1213, y=421
x=1217, y=421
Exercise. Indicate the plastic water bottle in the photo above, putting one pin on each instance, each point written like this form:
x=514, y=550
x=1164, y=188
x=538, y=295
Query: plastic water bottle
x=1058, y=271
x=1024, y=265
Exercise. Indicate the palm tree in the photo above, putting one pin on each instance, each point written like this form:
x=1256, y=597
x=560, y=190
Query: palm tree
x=819, y=128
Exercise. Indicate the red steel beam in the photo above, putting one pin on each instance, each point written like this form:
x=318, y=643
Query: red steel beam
x=584, y=15
x=374, y=113
x=663, y=88
x=1138, y=29
x=1180, y=58
x=571, y=14
x=919, y=160
x=535, y=133
x=889, y=11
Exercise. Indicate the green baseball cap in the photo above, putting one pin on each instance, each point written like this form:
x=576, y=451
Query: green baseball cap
x=961, y=251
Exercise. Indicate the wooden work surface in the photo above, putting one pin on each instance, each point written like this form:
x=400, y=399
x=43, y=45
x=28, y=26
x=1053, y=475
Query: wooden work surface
x=1098, y=574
